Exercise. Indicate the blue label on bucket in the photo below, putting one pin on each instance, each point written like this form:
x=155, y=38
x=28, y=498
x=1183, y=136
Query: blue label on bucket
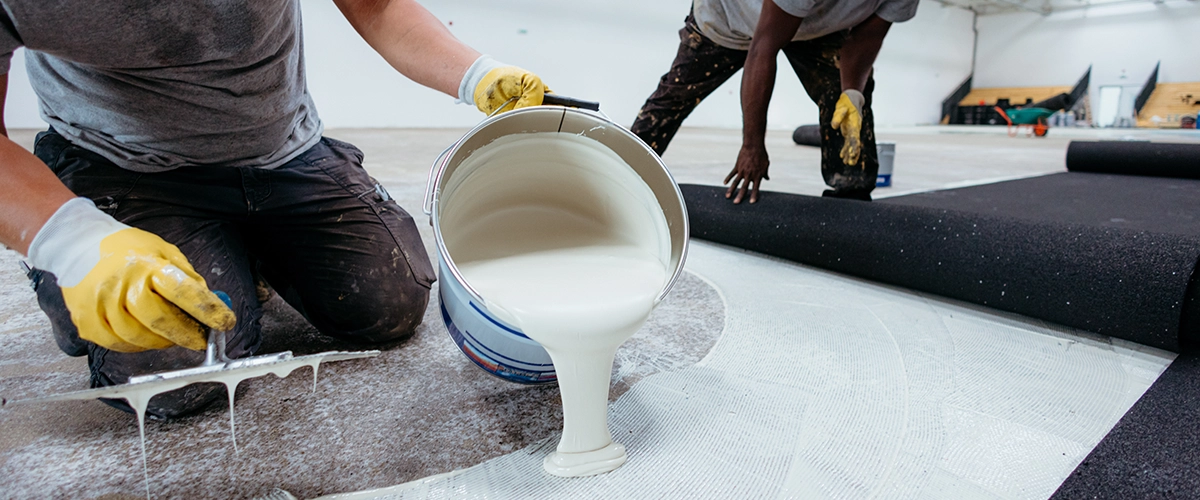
x=491, y=361
x=883, y=180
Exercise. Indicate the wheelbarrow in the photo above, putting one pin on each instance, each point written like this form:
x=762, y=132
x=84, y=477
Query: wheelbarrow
x=1031, y=120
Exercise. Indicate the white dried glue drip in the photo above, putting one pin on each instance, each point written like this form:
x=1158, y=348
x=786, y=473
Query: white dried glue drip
x=562, y=239
x=138, y=395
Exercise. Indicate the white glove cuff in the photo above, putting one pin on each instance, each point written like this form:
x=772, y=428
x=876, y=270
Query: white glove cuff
x=68, y=244
x=475, y=73
x=856, y=98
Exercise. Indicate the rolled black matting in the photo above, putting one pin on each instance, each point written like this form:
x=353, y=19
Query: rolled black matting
x=1160, y=159
x=1120, y=282
x=1158, y=204
x=1154, y=451
x=807, y=135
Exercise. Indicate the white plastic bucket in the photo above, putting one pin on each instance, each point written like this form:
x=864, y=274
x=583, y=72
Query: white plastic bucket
x=887, y=158
x=490, y=343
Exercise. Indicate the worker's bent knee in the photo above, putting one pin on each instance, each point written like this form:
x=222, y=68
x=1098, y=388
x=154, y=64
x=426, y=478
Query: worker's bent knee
x=378, y=318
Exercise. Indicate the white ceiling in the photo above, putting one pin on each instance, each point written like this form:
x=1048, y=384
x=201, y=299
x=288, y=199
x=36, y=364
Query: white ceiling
x=1045, y=7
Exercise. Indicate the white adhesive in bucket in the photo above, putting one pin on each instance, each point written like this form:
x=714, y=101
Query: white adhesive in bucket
x=564, y=240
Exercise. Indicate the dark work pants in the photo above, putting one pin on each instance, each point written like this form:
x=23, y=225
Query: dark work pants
x=320, y=230
x=701, y=66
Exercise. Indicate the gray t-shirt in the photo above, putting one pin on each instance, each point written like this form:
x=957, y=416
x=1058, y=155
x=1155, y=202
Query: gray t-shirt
x=154, y=86
x=730, y=23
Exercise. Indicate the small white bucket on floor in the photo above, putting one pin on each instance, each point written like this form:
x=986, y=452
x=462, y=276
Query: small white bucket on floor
x=887, y=157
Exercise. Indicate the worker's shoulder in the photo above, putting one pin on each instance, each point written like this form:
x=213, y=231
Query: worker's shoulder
x=896, y=11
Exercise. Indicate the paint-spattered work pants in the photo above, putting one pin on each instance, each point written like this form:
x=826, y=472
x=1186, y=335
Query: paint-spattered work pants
x=701, y=66
x=318, y=229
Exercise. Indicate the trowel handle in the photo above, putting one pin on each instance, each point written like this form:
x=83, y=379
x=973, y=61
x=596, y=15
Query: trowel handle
x=570, y=102
x=216, y=338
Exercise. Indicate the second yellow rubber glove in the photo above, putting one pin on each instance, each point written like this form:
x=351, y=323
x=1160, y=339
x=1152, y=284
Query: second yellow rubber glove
x=127, y=289
x=847, y=118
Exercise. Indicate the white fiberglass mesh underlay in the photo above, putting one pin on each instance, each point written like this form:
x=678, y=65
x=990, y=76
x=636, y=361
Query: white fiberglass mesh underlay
x=823, y=386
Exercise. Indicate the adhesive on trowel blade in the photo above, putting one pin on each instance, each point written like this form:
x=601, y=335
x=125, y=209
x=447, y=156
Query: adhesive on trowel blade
x=138, y=395
x=577, y=277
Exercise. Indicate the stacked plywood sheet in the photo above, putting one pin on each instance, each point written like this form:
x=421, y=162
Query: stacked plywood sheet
x=1015, y=95
x=1170, y=102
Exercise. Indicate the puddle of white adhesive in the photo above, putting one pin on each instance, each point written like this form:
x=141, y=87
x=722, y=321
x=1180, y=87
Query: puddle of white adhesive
x=138, y=395
x=829, y=387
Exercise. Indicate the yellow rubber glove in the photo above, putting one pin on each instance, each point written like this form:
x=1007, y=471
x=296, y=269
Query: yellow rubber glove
x=501, y=85
x=127, y=289
x=490, y=85
x=847, y=118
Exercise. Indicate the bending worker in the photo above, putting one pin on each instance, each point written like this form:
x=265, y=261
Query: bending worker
x=184, y=149
x=830, y=44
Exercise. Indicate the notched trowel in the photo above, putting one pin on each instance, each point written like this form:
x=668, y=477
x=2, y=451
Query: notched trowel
x=217, y=367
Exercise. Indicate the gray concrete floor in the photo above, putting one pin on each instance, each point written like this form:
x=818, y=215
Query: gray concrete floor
x=420, y=408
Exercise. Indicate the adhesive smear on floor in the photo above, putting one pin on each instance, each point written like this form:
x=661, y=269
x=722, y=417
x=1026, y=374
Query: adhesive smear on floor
x=824, y=386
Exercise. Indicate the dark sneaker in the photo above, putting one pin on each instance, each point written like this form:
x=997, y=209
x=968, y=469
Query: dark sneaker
x=848, y=194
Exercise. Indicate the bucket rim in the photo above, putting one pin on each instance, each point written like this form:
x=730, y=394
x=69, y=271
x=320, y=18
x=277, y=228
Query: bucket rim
x=437, y=171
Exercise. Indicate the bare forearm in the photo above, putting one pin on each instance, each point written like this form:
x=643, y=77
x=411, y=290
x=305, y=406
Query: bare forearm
x=774, y=30
x=758, y=83
x=29, y=195
x=412, y=41
x=858, y=54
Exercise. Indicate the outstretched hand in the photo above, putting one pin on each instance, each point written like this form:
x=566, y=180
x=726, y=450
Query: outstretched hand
x=747, y=174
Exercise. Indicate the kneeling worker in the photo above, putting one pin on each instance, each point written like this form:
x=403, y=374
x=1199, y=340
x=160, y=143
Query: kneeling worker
x=831, y=46
x=185, y=153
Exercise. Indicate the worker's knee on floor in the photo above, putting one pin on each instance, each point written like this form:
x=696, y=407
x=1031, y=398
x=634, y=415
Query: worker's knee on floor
x=381, y=317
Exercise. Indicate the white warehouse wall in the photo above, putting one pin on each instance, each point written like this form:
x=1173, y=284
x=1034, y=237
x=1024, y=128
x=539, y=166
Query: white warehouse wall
x=613, y=52
x=1121, y=42
x=922, y=61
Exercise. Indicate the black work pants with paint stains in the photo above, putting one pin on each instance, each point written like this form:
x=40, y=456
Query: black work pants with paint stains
x=701, y=66
x=320, y=231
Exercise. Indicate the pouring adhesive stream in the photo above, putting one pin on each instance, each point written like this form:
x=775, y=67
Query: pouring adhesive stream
x=565, y=241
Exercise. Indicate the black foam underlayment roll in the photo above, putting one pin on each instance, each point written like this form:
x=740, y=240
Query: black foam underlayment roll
x=1119, y=282
x=1160, y=159
x=1156, y=204
x=807, y=135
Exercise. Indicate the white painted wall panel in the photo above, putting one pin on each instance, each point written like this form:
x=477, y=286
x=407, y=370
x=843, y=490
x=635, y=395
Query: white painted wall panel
x=612, y=51
x=1121, y=42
